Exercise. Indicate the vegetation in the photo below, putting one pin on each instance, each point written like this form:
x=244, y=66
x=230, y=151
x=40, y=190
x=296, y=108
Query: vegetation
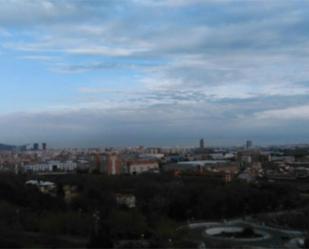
x=162, y=203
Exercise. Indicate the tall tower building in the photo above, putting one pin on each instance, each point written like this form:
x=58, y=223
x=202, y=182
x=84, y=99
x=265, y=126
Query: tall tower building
x=249, y=144
x=44, y=146
x=202, y=145
x=35, y=146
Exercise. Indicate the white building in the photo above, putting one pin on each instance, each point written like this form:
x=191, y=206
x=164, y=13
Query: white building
x=51, y=166
x=127, y=200
x=141, y=166
x=45, y=187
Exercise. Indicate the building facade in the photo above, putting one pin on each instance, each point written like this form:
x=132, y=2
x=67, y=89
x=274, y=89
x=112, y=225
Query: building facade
x=141, y=166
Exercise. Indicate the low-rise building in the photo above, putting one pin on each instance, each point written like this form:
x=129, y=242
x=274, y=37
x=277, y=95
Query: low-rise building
x=128, y=200
x=45, y=187
x=141, y=166
x=50, y=166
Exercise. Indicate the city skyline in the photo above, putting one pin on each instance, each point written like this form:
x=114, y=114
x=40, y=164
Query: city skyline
x=94, y=73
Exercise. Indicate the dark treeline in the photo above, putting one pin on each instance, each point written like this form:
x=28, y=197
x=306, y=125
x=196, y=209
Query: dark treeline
x=162, y=203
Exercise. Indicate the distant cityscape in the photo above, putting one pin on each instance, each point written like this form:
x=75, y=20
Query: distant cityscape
x=248, y=162
x=154, y=124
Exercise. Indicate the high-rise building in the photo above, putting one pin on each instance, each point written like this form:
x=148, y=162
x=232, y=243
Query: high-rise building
x=202, y=145
x=249, y=144
x=44, y=146
x=35, y=146
x=113, y=164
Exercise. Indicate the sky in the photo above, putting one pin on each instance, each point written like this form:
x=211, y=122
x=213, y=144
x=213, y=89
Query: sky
x=88, y=73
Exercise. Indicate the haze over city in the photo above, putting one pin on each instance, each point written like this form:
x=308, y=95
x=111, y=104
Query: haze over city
x=93, y=73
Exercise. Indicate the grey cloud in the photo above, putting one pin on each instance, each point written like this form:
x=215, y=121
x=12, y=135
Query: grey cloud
x=160, y=124
x=266, y=29
x=29, y=12
x=214, y=71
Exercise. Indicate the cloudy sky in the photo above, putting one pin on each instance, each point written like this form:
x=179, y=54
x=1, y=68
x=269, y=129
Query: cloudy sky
x=154, y=72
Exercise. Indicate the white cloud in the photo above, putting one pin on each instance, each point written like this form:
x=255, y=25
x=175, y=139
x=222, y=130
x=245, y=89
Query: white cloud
x=43, y=58
x=290, y=113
